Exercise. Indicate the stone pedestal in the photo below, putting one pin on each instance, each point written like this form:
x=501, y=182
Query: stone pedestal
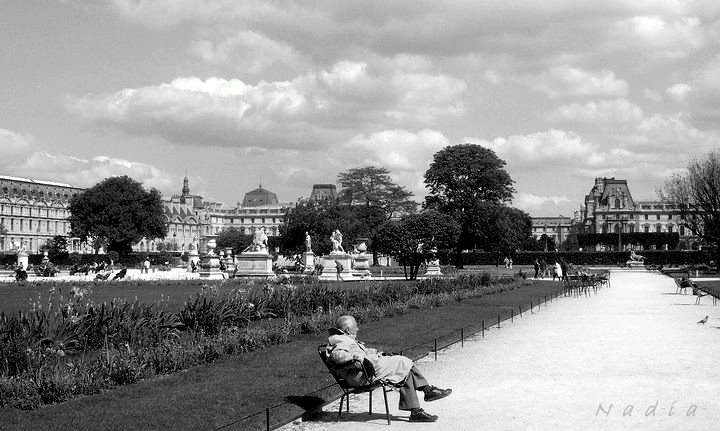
x=22, y=259
x=361, y=262
x=433, y=269
x=330, y=267
x=635, y=264
x=253, y=264
x=308, y=262
x=210, y=263
x=193, y=259
x=45, y=258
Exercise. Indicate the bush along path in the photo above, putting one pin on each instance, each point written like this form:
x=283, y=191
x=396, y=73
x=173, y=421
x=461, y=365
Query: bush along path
x=71, y=346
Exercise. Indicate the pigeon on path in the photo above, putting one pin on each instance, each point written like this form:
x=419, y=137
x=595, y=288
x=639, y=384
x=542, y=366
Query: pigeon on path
x=703, y=321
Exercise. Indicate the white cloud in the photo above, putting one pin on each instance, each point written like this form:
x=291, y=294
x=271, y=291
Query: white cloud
x=405, y=154
x=565, y=80
x=13, y=145
x=603, y=111
x=308, y=110
x=537, y=204
x=247, y=51
x=678, y=92
x=86, y=173
x=673, y=36
x=543, y=150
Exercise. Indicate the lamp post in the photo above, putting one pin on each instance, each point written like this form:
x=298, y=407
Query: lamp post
x=622, y=220
x=37, y=238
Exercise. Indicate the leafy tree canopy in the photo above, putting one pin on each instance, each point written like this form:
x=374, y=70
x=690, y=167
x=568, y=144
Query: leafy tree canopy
x=696, y=195
x=56, y=248
x=232, y=237
x=117, y=212
x=320, y=219
x=417, y=238
x=462, y=175
x=372, y=186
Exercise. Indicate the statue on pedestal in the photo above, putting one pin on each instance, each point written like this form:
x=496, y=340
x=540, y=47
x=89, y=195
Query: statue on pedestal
x=259, y=243
x=308, y=242
x=336, y=239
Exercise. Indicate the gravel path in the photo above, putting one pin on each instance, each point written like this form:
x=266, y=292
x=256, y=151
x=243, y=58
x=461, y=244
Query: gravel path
x=631, y=357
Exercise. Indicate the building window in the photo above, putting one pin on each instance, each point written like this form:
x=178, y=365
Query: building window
x=657, y=217
x=670, y=228
x=646, y=228
x=658, y=228
x=682, y=230
x=646, y=216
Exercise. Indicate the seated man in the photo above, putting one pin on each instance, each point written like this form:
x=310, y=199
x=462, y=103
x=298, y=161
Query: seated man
x=343, y=348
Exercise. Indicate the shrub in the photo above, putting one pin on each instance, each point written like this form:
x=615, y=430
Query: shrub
x=19, y=393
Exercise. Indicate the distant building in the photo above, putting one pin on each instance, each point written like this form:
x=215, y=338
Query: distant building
x=610, y=208
x=557, y=228
x=34, y=211
x=324, y=192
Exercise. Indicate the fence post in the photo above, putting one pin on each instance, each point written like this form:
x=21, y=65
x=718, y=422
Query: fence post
x=531, y=306
x=267, y=418
x=436, y=349
x=462, y=338
x=520, y=310
x=498, y=320
x=483, y=328
x=512, y=315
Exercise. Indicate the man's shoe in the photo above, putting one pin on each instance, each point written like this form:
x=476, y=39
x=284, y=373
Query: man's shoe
x=436, y=393
x=422, y=416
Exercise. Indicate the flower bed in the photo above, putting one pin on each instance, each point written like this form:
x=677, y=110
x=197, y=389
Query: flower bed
x=70, y=346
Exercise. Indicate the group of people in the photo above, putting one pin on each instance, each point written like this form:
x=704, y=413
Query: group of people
x=559, y=269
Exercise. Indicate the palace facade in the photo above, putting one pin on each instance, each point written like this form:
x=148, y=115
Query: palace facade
x=610, y=208
x=192, y=221
x=34, y=211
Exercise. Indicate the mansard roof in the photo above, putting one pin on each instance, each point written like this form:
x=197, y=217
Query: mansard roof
x=259, y=196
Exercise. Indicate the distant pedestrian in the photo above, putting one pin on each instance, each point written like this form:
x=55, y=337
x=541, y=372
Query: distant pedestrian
x=510, y=262
x=558, y=272
x=146, y=266
x=536, y=266
x=506, y=261
x=339, y=268
x=543, y=268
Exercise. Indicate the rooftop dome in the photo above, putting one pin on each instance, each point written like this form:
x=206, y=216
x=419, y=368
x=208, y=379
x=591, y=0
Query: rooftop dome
x=259, y=196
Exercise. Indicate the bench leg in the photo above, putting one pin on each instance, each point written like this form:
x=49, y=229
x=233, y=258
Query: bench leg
x=387, y=410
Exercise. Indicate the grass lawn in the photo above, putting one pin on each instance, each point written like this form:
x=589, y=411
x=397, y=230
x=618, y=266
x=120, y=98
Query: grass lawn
x=284, y=377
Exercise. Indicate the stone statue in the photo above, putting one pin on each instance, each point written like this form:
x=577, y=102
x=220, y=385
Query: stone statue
x=260, y=240
x=308, y=242
x=336, y=239
x=636, y=257
x=14, y=245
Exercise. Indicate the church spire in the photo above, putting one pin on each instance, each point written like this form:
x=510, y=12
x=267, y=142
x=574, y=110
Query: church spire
x=186, y=187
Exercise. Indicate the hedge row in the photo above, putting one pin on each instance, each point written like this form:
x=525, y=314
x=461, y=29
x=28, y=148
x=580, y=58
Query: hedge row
x=653, y=257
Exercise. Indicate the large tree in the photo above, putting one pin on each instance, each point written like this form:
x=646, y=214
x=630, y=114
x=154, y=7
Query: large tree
x=232, y=237
x=417, y=238
x=117, y=212
x=320, y=219
x=469, y=183
x=372, y=186
x=695, y=193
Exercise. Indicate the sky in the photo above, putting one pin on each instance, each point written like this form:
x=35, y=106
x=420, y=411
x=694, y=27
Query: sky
x=288, y=94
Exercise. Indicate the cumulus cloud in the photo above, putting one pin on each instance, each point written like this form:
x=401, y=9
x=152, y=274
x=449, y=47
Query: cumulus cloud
x=603, y=111
x=544, y=150
x=407, y=155
x=13, y=145
x=673, y=36
x=565, y=80
x=678, y=92
x=279, y=114
x=538, y=204
x=247, y=51
x=21, y=158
